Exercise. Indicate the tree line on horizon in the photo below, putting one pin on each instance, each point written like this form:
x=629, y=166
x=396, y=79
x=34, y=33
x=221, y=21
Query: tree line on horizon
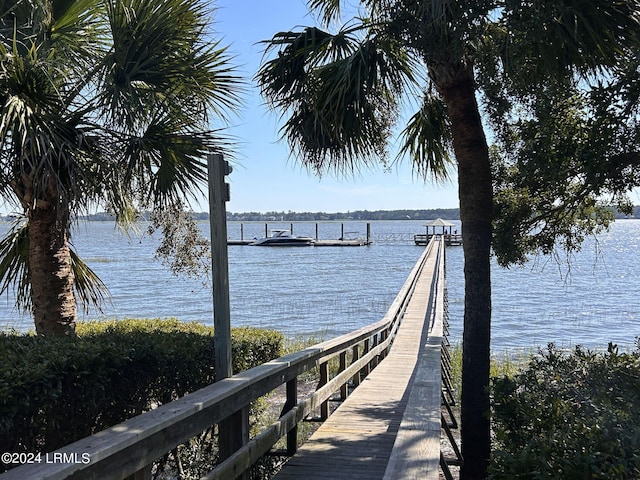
x=291, y=216
x=404, y=214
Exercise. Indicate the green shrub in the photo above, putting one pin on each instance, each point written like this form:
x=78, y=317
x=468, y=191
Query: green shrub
x=569, y=416
x=54, y=391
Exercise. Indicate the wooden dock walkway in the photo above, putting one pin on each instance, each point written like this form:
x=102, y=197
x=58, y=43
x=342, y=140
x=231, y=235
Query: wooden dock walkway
x=383, y=430
x=388, y=428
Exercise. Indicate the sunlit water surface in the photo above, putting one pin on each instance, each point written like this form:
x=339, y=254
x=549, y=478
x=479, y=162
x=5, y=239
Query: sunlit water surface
x=324, y=292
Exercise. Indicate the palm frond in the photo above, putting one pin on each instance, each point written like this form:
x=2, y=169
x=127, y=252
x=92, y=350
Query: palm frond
x=341, y=91
x=78, y=33
x=92, y=292
x=162, y=54
x=14, y=263
x=39, y=136
x=23, y=20
x=166, y=163
x=323, y=146
x=329, y=10
x=427, y=140
x=283, y=80
x=212, y=81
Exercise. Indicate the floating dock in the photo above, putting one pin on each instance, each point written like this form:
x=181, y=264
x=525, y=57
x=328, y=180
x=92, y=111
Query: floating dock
x=315, y=243
x=240, y=242
x=343, y=241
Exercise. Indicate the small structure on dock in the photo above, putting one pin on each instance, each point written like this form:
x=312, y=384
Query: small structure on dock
x=451, y=238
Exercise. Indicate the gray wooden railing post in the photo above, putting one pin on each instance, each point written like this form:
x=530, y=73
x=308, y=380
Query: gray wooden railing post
x=344, y=389
x=383, y=337
x=324, y=378
x=356, y=357
x=292, y=400
x=366, y=368
x=234, y=430
x=374, y=361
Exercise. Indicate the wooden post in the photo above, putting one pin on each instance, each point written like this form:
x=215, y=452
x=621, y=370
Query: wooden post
x=143, y=474
x=383, y=336
x=241, y=232
x=292, y=401
x=368, y=233
x=220, y=265
x=356, y=356
x=317, y=238
x=344, y=389
x=374, y=360
x=324, y=379
x=234, y=430
x=365, y=370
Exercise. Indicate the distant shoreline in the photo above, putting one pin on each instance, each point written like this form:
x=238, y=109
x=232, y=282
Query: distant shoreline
x=290, y=216
x=356, y=215
x=359, y=215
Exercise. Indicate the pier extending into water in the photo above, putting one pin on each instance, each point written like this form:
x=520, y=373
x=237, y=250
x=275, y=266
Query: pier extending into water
x=353, y=238
x=346, y=239
x=391, y=379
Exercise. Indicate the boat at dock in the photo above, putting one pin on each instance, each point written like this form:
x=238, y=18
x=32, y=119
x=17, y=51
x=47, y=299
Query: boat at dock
x=283, y=238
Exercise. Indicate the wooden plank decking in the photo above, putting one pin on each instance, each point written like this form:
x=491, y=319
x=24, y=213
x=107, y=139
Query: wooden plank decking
x=387, y=409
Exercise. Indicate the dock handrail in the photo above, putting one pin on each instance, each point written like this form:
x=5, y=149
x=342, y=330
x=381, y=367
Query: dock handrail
x=129, y=448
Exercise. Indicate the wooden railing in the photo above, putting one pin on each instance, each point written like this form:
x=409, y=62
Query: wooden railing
x=450, y=239
x=127, y=450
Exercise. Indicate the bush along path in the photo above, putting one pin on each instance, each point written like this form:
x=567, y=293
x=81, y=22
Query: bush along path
x=569, y=415
x=54, y=391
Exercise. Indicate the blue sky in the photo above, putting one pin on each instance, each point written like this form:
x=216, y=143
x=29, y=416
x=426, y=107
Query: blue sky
x=266, y=177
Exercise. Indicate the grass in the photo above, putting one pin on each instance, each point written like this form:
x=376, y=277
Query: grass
x=296, y=343
x=506, y=364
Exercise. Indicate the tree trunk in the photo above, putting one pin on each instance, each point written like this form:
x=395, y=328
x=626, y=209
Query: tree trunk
x=52, y=296
x=476, y=203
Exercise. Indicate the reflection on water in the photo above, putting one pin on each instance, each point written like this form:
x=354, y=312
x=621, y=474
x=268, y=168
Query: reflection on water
x=328, y=291
x=589, y=299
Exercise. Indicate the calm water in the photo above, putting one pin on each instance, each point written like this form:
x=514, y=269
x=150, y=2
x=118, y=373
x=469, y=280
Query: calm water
x=328, y=291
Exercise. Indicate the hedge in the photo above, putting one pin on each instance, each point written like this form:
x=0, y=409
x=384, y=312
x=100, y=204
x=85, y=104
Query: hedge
x=54, y=391
x=569, y=416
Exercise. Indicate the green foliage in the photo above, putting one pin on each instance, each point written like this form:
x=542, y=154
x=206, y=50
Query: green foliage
x=342, y=91
x=182, y=249
x=506, y=364
x=108, y=104
x=569, y=416
x=54, y=391
x=556, y=173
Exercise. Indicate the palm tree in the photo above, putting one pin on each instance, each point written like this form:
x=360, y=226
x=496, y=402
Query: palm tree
x=340, y=94
x=103, y=103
